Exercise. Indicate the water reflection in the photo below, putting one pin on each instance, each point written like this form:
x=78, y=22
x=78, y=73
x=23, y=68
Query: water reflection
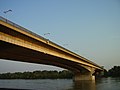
x=99, y=84
x=62, y=84
x=83, y=85
x=108, y=84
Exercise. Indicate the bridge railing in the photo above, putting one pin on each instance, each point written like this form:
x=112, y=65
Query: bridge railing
x=34, y=34
x=28, y=31
x=20, y=27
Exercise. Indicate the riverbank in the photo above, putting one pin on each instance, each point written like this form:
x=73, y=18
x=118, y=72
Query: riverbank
x=60, y=84
x=65, y=74
x=12, y=89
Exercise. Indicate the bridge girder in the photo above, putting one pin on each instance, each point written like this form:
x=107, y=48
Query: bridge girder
x=34, y=49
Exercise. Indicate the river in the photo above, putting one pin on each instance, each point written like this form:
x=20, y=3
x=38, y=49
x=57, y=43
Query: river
x=61, y=84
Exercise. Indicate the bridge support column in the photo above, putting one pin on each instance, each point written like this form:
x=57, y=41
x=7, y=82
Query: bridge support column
x=80, y=76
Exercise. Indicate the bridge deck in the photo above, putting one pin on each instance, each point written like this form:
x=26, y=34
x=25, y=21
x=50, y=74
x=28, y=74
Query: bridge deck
x=44, y=40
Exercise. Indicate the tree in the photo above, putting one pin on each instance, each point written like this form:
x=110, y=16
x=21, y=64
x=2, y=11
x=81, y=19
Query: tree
x=114, y=72
x=38, y=75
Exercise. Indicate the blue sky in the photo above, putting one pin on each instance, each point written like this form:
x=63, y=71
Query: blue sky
x=90, y=28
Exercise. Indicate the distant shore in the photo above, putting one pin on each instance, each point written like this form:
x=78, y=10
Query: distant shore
x=65, y=74
x=12, y=89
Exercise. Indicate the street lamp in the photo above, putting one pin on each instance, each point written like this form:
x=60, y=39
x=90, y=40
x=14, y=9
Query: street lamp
x=46, y=33
x=47, y=40
x=76, y=50
x=65, y=44
x=7, y=11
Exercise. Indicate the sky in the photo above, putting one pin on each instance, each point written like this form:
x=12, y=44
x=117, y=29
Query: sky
x=90, y=28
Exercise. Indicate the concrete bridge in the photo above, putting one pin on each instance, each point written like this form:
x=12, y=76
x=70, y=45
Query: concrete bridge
x=20, y=44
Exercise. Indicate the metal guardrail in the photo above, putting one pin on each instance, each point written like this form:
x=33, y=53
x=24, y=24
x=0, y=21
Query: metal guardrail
x=28, y=31
x=34, y=34
x=20, y=27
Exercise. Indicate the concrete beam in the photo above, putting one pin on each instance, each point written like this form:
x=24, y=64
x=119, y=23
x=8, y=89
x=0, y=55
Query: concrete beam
x=84, y=77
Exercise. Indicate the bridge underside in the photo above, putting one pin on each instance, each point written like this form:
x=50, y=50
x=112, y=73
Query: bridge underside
x=13, y=52
x=20, y=45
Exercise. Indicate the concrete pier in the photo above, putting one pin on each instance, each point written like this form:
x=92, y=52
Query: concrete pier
x=79, y=77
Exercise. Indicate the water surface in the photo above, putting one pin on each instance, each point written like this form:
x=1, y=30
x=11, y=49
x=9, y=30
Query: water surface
x=62, y=84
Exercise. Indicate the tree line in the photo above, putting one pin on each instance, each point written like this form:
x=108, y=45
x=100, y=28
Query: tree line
x=113, y=72
x=65, y=74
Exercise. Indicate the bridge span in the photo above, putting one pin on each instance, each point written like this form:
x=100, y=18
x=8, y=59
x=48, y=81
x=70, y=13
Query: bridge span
x=20, y=44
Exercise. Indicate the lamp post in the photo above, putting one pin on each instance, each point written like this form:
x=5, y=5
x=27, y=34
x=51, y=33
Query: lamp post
x=7, y=11
x=46, y=34
x=65, y=44
x=47, y=40
x=77, y=51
